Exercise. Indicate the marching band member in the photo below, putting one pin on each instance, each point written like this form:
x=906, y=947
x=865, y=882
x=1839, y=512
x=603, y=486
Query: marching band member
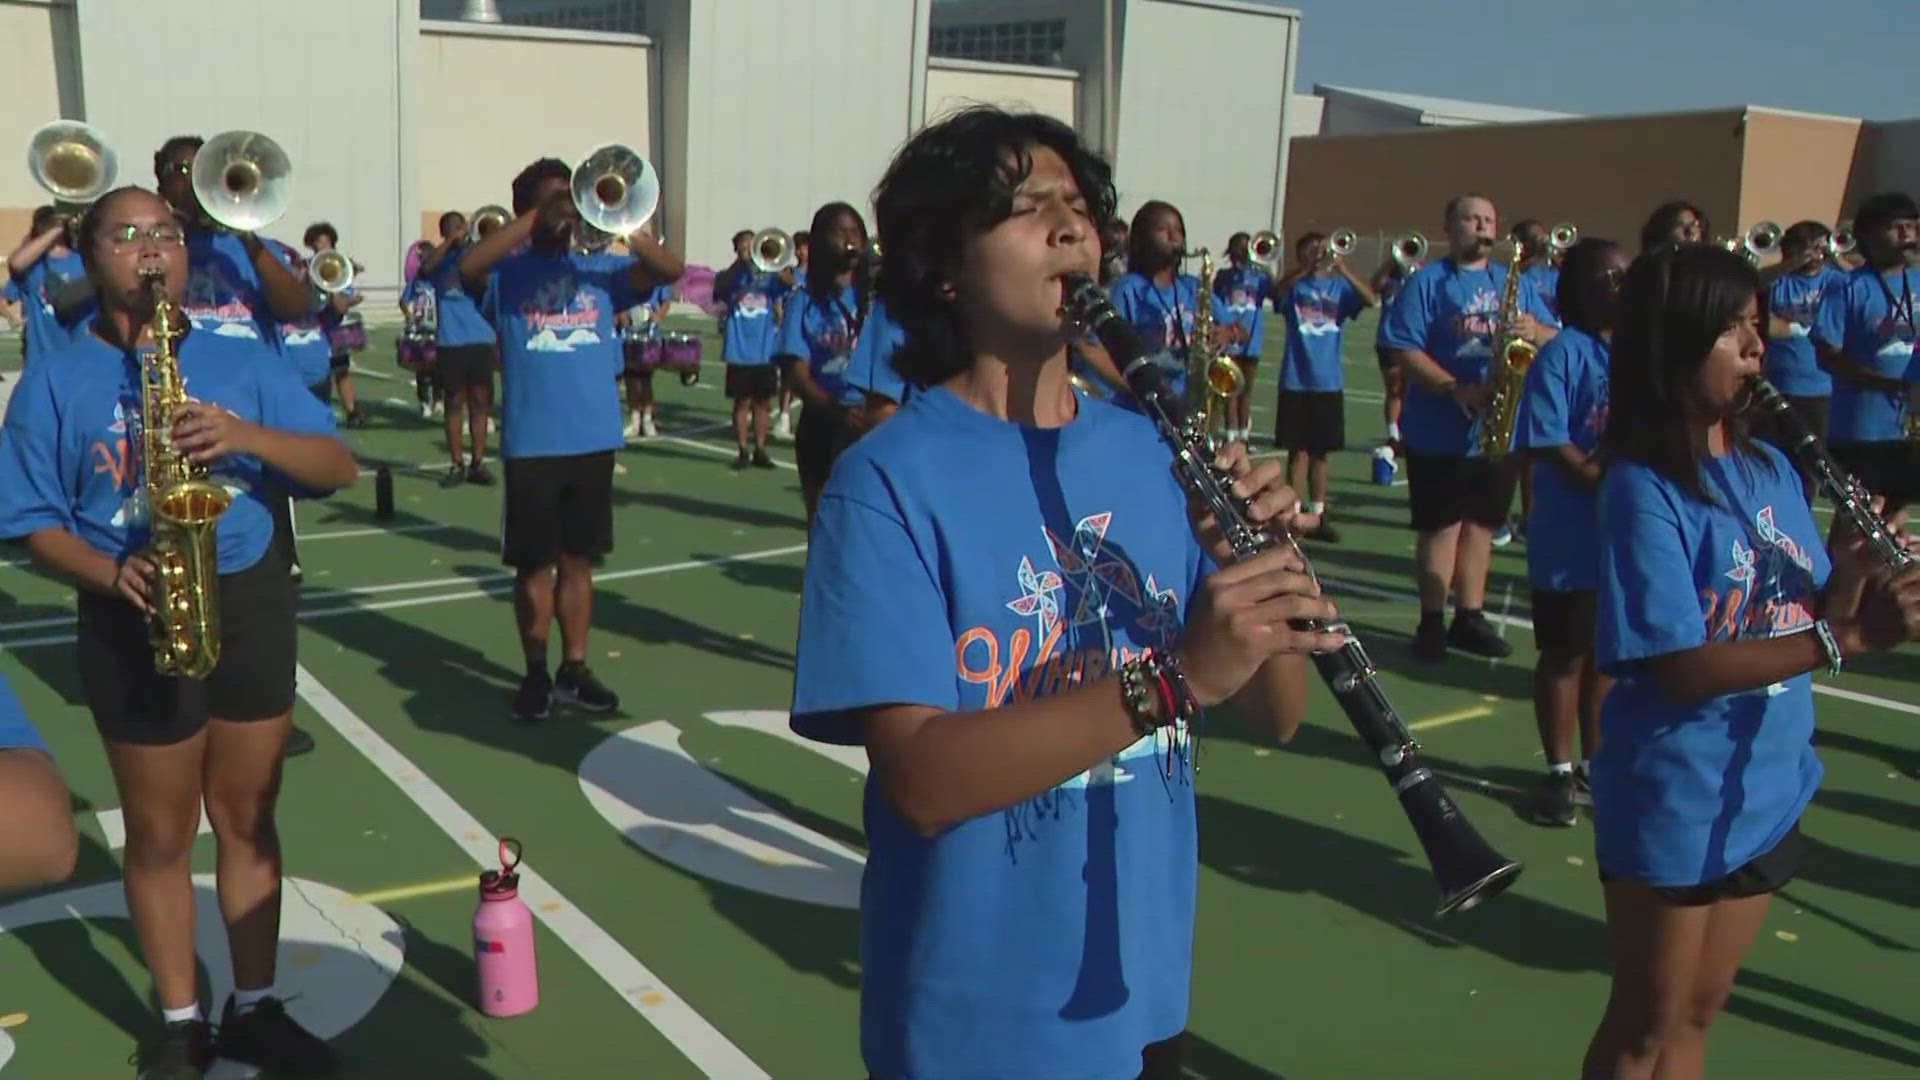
x=818, y=328
x=1537, y=266
x=40, y=843
x=552, y=307
x=1029, y=898
x=1386, y=283
x=1561, y=417
x=345, y=335
x=640, y=328
x=1716, y=602
x=464, y=355
x=418, y=331
x=1676, y=222
x=42, y=263
x=1320, y=295
x=1865, y=335
x=1442, y=326
x=793, y=276
x=1244, y=288
x=871, y=368
x=748, y=333
x=1158, y=299
x=237, y=286
x=1796, y=286
x=175, y=742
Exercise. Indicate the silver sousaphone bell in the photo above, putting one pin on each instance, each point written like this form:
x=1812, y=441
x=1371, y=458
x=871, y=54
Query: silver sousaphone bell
x=240, y=178
x=72, y=161
x=771, y=251
x=615, y=190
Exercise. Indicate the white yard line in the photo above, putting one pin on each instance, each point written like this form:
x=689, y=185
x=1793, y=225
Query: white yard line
x=722, y=450
x=653, y=999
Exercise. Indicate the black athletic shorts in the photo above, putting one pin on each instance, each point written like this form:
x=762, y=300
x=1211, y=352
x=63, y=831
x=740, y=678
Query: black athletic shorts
x=1889, y=467
x=1445, y=489
x=1766, y=872
x=557, y=506
x=1311, y=420
x=131, y=702
x=817, y=441
x=1563, y=621
x=340, y=362
x=1388, y=359
x=753, y=382
x=461, y=366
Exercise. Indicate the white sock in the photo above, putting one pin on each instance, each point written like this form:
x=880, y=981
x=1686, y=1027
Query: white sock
x=1316, y=508
x=1560, y=768
x=174, y=1016
x=244, y=1000
x=1393, y=431
x=1583, y=767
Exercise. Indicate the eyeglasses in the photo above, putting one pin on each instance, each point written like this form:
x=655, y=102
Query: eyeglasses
x=166, y=232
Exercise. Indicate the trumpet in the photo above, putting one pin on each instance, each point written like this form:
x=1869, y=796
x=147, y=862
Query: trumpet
x=1563, y=236
x=240, y=180
x=615, y=190
x=1843, y=242
x=483, y=221
x=1408, y=250
x=1264, y=248
x=72, y=161
x=1758, y=242
x=772, y=251
x=330, y=271
x=1341, y=244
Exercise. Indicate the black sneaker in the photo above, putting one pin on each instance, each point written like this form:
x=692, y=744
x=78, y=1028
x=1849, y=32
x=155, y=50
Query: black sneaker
x=1474, y=634
x=761, y=460
x=182, y=1051
x=268, y=1039
x=1552, y=802
x=478, y=473
x=298, y=742
x=1582, y=788
x=534, y=698
x=1324, y=532
x=456, y=475
x=577, y=685
x=1430, y=641
x=741, y=461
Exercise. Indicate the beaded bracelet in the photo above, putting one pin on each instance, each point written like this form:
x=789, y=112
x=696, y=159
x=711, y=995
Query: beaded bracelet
x=1137, y=690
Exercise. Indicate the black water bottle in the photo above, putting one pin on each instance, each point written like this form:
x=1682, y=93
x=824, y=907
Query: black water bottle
x=383, y=493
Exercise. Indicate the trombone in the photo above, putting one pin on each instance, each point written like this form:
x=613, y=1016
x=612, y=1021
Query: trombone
x=1408, y=250
x=330, y=271
x=482, y=222
x=240, y=180
x=772, y=251
x=72, y=161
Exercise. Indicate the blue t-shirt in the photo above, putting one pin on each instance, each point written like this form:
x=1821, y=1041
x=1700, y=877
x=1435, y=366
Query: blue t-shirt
x=16, y=731
x=871, y=368
x=823, y=332
x=223, y=289
x=750, y=332
x=1791, y=364
x=1544, y=278
x=1053, y=937
x=1856, y=319
x=1316, y=306
x=1685, y=794
x=71, y=448
x=1449, y=313
x=458, y=314
x=304, y=340
x=1163, y=317
x=1244, y=291
x=1565, y=403
x=46, y=334
x=559, y=355
x=1390, y=290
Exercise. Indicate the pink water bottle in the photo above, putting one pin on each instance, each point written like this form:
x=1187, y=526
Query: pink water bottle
x=509, y=980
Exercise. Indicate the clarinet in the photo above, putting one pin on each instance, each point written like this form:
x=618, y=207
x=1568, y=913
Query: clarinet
x=1848, y=495
x=1467, y=869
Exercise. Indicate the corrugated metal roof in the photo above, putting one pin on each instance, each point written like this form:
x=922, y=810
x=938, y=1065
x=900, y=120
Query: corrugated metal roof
x=1446, y=109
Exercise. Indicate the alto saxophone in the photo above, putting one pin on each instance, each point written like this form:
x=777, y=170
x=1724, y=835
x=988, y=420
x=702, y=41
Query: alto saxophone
x=1213, y=377
x=183, y=509
x=1507, y=372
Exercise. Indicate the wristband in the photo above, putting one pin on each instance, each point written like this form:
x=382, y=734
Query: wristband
x=1138, y=693
x=1830, y=646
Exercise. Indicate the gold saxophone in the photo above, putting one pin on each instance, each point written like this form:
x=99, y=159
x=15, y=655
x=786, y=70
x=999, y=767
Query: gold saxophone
x=1213, y=378
x=1507, y=372
x=183, y=508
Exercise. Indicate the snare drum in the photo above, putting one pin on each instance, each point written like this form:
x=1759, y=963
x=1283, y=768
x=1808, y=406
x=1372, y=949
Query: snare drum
x=347, y=337
x=682, y=354
x=417, y=354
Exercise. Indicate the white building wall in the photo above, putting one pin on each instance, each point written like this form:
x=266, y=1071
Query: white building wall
x=267, y=69
x=742, y=150
x=480, y=119
x=40, y=84
x=1087, y=41
x=955, y=84
x=1223, y=166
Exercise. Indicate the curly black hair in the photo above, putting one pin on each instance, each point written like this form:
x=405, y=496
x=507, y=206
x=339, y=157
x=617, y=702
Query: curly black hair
x=954, y=179
x=532, y=177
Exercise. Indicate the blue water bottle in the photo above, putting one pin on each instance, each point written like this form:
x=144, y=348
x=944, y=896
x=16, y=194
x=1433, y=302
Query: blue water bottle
x=1384, y=466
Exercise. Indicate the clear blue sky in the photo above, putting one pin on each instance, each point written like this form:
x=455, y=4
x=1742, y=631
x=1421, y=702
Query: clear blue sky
x=1846, y=57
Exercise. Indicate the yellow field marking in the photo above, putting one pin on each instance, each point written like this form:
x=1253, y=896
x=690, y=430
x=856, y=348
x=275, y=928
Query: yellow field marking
x=1471, y=712
x=12, y=1020
x=425, y=888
